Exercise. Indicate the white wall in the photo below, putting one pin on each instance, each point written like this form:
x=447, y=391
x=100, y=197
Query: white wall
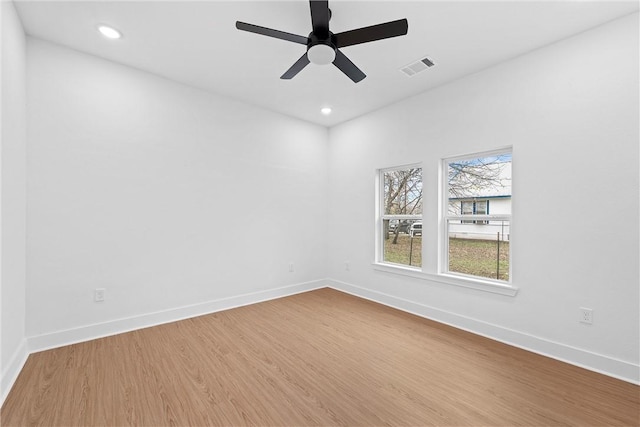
x=13, y=199
x=164, y=195
x=130, y=188
x=570, y=111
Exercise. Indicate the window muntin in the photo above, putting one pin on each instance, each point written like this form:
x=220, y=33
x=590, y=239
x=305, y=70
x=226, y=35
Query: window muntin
x=400, y=216
x=477, y=243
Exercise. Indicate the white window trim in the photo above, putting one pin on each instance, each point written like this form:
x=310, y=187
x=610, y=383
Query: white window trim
x=380, y=217
x=443, y=253
x=460, y=280
x=451, y=279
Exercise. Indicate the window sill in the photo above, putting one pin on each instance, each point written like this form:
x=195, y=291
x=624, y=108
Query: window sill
x=449, y=279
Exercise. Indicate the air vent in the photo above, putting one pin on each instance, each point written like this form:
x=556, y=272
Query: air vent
x=418, y=66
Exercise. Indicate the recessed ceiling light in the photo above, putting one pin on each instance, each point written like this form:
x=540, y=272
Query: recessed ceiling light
x=326, y=111
x=108, y=32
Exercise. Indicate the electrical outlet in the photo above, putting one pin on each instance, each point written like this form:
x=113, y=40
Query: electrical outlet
x=98, y=295
x=290, y=267
x=586, y=315
x=347, y=266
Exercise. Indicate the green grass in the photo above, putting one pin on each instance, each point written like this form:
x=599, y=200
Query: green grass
x=473, y=257
x=479, y=258
x=399, y=253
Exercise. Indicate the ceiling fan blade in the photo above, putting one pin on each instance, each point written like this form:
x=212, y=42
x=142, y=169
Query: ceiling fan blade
x=296, y=68
x=372, y=33
x=271, y=33
x=346, y=66
x=320, y=17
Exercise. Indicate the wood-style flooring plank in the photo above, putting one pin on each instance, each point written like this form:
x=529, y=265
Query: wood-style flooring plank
x=318, y=358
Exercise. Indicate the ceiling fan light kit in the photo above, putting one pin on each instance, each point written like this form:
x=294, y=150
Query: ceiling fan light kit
x=321, y=54
x=323, y=46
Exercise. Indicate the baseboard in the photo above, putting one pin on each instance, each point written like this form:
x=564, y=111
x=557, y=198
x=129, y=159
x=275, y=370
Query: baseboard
x=113, y=327
x=595, y=362
x=12, y=370
x=575, y=356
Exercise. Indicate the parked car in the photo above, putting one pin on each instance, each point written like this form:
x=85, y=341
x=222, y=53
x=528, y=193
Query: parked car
x=416, y=229
x=402, y=226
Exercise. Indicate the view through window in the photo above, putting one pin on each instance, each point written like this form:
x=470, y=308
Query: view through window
x=401, y=216
x=478, y=215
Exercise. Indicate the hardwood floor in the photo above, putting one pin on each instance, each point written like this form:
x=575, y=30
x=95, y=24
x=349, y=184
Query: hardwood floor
x=318, y=358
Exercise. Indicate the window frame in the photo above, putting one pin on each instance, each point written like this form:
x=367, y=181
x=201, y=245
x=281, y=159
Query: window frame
x=433, y=206
x=381, y=216
x=446, y=216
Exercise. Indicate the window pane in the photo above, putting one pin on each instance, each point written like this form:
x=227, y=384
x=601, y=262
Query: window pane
x=401, y=248
x=403, y=192
x=480, y=178
x=479, y=249
x=481, y=207
x=467, y=208
x=402, y=237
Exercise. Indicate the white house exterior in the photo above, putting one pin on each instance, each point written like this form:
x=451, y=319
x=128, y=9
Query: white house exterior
x=481, y=229
x=493, y=199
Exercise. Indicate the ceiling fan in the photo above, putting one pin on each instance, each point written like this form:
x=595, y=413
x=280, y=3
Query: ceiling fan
x=323, y=46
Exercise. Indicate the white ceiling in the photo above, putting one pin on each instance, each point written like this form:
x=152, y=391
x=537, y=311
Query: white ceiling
x=196, y=42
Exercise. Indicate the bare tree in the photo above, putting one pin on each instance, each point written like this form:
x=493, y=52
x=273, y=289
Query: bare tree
x=469, y=178
x=403, y=195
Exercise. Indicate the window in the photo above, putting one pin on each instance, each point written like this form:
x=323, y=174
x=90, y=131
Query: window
x=474, y=207
x=476, y=242
x=481, y=207
x=400, y=216
x=466, y=208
